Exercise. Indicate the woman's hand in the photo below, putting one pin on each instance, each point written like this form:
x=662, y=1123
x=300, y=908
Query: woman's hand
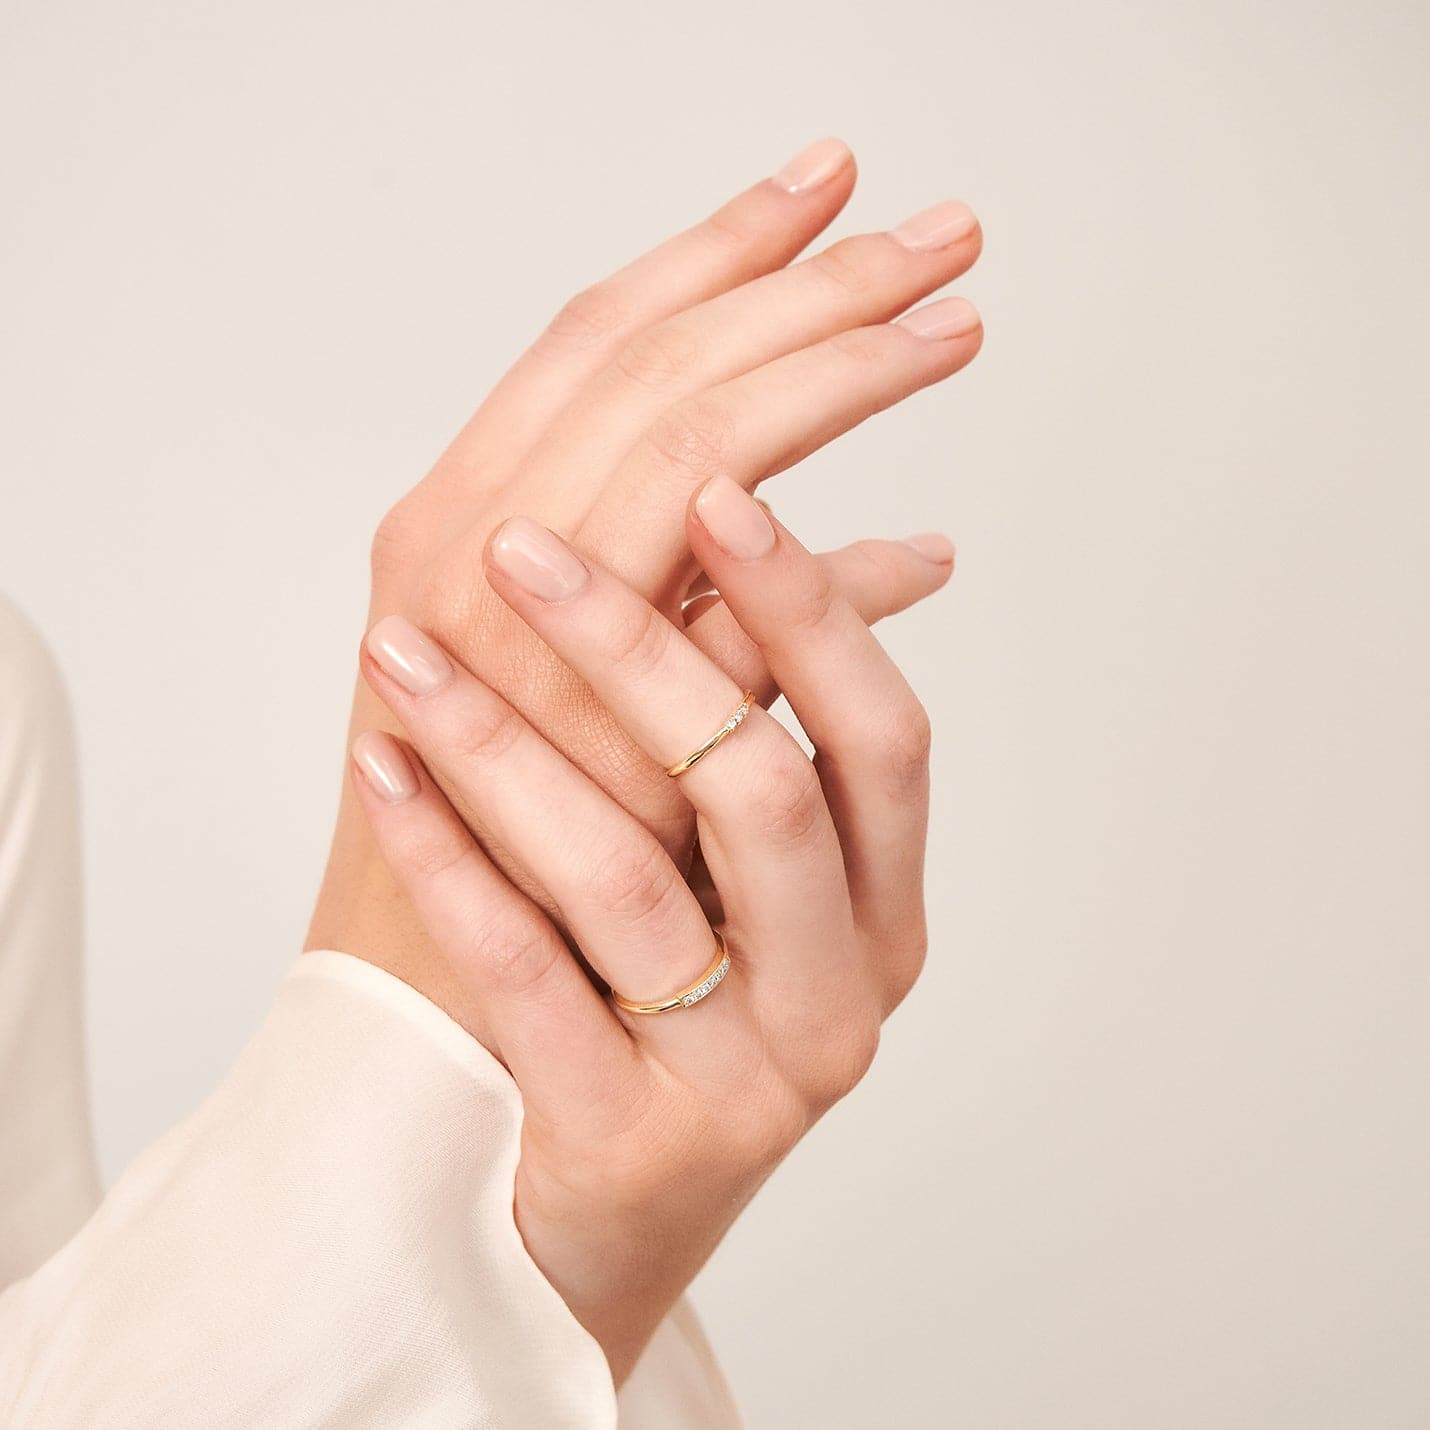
x=714, y=353
x=645, y=1135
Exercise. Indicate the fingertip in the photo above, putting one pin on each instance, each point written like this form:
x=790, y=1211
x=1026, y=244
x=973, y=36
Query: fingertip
x=882, y=578
x=733, y=519
x=933, y=558
x=935, y=548
x=944, y=319
x=536, y=560
x=815, y=166
x=381, y=765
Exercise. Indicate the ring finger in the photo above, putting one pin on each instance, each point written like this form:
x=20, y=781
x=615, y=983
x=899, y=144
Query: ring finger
x=762, y=423
x=765, y=830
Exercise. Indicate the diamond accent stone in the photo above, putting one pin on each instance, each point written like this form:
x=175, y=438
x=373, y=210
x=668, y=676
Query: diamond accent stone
x=731, y=724
x=711, y=983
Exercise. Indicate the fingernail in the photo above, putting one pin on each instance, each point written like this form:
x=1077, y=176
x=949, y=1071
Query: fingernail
x=384, y=766
x=932, y=545
x=538, y=561
x=410, y=658
x=948, y=318
x=733, y=517
x=813, y=166
x=937, y=227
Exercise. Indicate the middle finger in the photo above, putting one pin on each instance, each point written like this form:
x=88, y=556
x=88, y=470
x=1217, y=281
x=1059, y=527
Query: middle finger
x=765, y=829
x=868, y=278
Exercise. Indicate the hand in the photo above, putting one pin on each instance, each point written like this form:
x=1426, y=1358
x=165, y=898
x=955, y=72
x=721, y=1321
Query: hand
x=708, y=355
x=645, y=1135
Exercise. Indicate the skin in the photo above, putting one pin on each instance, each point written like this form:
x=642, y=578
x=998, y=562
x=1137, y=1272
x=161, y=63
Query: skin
x=645, y=1136
x=716, y=353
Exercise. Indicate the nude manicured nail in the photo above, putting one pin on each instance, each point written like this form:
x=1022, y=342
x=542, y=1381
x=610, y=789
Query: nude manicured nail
x=538, y=561
x=384, y=766
x=948, y=318
x=935, y=228
x=933, y=546
x=733, y=517
x=813, y=166
x=407, y=656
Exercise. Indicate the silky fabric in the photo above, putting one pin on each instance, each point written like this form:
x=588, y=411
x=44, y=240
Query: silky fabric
x=328, y=1240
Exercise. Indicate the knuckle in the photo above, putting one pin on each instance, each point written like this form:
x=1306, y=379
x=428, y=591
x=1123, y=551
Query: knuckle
x=507, y=944
x=393, y=542
x=838, y=268
x=906, y=963
x=487, y=734
x=907, y=741
x=847, y=1061
x=635, y=882
x=866, y=346
x=590, y=318
x=791, y=799
x=872, y=555
x=426, y=858
x=726, y=233
x=808, y=607
x=660, y=357
x=695, y=438
x=767, y=1138
x=875, y=569
x=639, y=642
x=513, y=955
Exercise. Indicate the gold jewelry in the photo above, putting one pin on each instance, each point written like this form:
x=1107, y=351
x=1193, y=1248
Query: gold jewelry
x=711, y=979
x=728, y=728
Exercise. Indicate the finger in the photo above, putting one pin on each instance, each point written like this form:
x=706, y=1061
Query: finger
x=869, y=278
x=757, y=231
x=871, y=733
x=877, y=578
x=764, y=829
x=700, y=587
x=762, y=423
x=552, y=1028
x=626, y=904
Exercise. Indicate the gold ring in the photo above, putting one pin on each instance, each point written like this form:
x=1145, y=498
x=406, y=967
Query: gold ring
x=708, y=982
x=728, y=728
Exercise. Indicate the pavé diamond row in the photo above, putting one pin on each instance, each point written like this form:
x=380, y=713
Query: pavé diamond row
x=701, y=989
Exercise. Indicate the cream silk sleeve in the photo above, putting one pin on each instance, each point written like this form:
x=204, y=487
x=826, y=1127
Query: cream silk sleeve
x=327, y=1241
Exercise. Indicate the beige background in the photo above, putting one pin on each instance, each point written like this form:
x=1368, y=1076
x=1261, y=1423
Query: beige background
x=1148, y=1148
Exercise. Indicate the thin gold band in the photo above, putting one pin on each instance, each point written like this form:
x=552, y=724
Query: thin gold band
x=687, y=997
x=736, y=719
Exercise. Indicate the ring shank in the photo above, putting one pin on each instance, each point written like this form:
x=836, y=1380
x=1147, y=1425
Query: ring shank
x=703, y=986
x=737, y=718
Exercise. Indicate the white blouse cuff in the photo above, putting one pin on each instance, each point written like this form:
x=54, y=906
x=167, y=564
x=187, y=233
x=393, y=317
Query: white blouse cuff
x=329, y=1239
